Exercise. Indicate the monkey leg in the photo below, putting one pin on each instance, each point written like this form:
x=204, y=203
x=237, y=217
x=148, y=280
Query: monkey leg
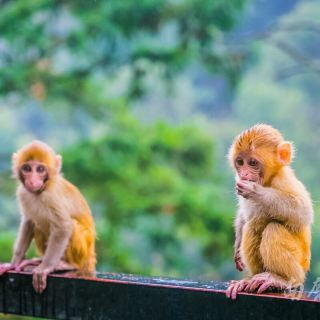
x=250, y=247
x=275, y=257
x=285, y=254
x=250, y=252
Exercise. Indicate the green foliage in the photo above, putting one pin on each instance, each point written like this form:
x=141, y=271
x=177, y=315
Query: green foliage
x=6, y=244
x=76, y=69
x=54, y=48
x=156, y=187
x=73, y=73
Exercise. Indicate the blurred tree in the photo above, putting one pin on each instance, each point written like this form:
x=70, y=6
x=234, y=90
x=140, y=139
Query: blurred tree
x=56, y=50
x=155, y=184
x=164, y=205
x=158, y=195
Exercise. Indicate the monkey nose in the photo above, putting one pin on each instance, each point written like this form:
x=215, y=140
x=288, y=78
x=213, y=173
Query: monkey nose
x=244, y=176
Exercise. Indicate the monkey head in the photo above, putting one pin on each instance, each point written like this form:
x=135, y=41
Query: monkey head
x=258, y=153
x=35, y=164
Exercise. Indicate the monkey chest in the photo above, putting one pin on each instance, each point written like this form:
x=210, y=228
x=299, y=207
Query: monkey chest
x=39, y=214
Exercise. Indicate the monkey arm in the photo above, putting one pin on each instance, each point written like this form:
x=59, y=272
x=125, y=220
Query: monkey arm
x=57, y=244
x=239, y=223
x=24, y=239
x=291, y=207
x=60, y=233
x=25, y=236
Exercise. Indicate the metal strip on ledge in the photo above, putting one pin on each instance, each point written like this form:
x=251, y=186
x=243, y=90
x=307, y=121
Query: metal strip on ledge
x=127, y=297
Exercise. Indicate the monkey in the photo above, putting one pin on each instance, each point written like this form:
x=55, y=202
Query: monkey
x=275, y=213
x=53, y=213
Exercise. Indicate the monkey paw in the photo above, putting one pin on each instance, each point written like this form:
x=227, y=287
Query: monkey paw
x=235, y=287
x=5, y=267
x=246, y=189
x=263, y=281
x=259, y=283
x=238, y=261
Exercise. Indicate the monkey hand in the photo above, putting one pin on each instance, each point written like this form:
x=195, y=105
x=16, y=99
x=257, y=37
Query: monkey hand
x=5, y=267
x=248, y=189
x=39, y=277
x=238, y=261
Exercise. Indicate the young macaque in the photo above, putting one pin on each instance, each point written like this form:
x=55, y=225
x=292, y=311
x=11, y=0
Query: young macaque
x=274, y=215
x=53, y=213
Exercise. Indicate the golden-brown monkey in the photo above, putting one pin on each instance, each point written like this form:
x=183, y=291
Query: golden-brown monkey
x=53, y=213
x=274, y=216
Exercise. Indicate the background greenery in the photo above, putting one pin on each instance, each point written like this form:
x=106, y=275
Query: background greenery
x=143, y=99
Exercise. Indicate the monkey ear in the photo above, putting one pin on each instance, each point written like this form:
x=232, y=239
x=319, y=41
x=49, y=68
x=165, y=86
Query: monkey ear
x=58, y=163
x=285, y=152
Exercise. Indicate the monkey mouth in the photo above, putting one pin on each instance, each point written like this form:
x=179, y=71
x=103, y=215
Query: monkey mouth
x=36, y=190
x=40, y=189
x=250, y=180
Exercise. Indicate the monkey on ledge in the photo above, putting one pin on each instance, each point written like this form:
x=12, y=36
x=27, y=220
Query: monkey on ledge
x=54, y=214
x=273, y=222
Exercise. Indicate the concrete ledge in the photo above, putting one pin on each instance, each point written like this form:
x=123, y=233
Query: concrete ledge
x=127, y=297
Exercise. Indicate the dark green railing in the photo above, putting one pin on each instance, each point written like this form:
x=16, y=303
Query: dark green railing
x=126, y=297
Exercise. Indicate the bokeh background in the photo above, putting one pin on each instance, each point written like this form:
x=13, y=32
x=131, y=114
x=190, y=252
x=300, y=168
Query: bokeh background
x=142, y=99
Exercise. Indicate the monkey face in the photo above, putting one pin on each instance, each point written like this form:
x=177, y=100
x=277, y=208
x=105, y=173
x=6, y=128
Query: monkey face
x=249, y=168
x=34, y=176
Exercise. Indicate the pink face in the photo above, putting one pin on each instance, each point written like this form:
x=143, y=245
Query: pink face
x=249, y=168
x=34, y=175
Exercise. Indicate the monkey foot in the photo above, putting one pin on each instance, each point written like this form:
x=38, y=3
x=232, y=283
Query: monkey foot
x=235, y=287
x=263, y=281
x=259, y=283
x=23, y=266
x=64, y=266
x=5, y=267
x=26, y=264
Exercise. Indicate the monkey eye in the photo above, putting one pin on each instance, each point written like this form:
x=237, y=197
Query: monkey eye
x=239, y=162
x=253, y=162
x=26, y=168
x=41, y=169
